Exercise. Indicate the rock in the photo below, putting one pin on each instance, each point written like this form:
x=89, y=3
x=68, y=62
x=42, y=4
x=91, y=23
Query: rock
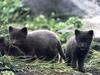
x=94, y=24
x=38, y=7
x=62, y=8
x=98, y=2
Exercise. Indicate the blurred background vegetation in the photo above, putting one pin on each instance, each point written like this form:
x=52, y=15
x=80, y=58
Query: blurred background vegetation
x=12, y=15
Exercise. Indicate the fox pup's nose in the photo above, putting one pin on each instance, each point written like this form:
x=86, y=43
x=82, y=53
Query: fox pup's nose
x=14, y=42
x=82, y=45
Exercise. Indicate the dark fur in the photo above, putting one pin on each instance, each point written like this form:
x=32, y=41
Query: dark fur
x=78, y=47
x=3, y=46
x=39, y=43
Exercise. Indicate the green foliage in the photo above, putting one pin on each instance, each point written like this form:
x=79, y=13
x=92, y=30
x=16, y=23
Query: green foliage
x=7, y=73
x=7, y=7
x=95, y=59
x=11, y=11
x=74, y=21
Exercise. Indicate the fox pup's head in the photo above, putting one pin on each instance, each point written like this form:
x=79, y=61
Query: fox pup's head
x=83, y=38
x=17, y=36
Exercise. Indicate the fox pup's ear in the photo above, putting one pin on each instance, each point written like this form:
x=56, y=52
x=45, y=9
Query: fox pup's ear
x=10, y=29
x=91, y=32
x=24, y=30
x=77, y=31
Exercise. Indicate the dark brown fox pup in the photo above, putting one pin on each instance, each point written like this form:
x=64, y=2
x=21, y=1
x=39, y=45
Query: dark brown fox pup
x=38, y=43
x=77, y=48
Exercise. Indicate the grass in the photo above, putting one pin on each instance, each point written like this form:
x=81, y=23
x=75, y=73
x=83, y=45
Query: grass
x=48, y=68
